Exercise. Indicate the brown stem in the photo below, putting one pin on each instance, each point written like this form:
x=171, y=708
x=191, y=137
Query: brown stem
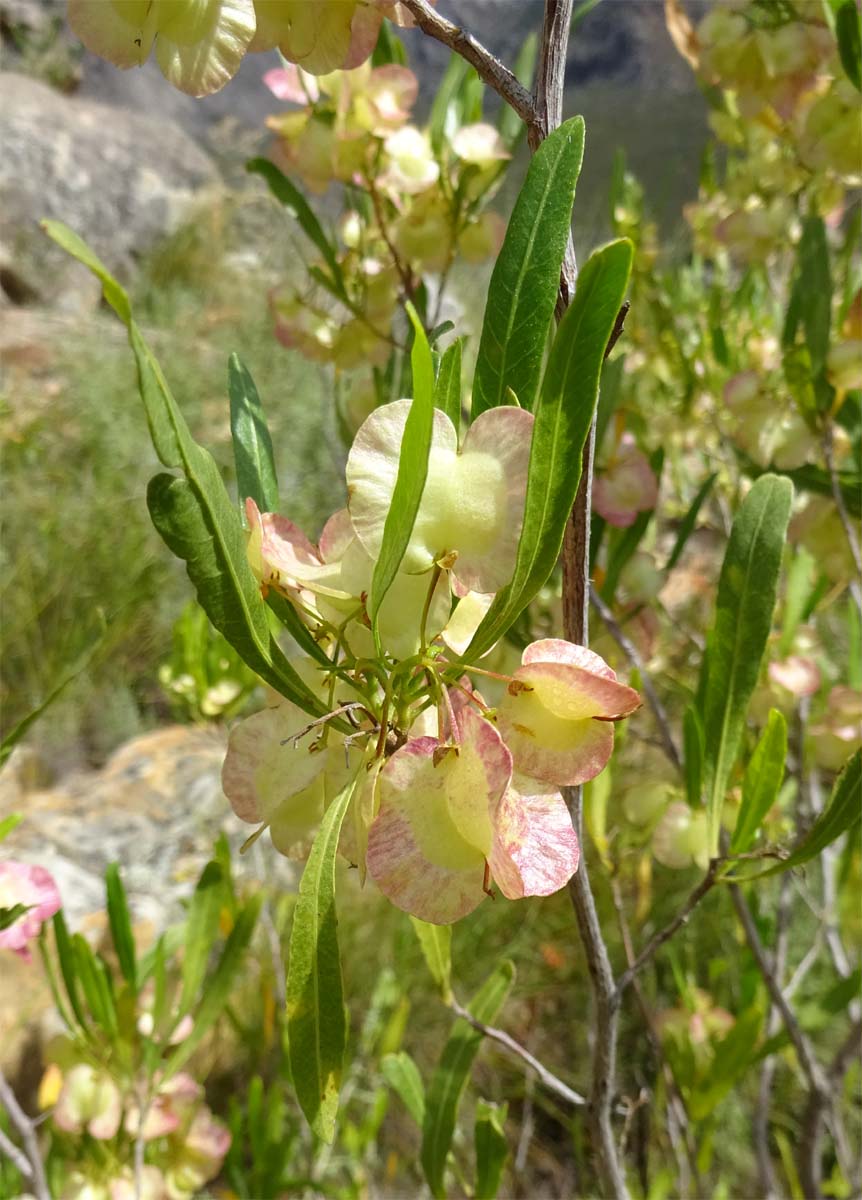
x=664, y=935
x=488, y=68
x=551, y=1081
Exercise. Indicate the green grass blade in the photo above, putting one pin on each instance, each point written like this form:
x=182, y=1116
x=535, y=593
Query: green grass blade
x=524, y=284
x=563, y=417
x=743, y=620
x=412, y=470
x=121, y=924
x=252, y=446
x=762, y=782
x=316, y=1022
x=450, y=1077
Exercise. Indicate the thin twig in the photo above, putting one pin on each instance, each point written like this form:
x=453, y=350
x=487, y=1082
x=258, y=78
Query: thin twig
x=27, y=1132
x=17, y=1157
x=488, y=68
x=631, y=652
x=548, y=1078
x=664, y=935
x=760, y=1121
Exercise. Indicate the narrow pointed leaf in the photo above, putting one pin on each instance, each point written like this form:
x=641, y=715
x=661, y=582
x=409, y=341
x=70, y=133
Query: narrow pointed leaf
x=563, y=417
x=524, y=284
x=436, y=943
x=848, y=31
x=252, y=446
x=510, y=125
x=450, y=1077
x=686, y=528
x=8, y=916
x=401, y=1073
x=198, y=516
x=218, y=987
x=447, y=390
x=762, y=782
x=294, y=201
x=412, y=470
x=316, y=1023
x=226, y=589
x=692, y=754
x=492, y=1149
x=842, y=813
x=91, y=974
x=201, y=931
x=120, y=923
x=743, y=620
x=66, y=959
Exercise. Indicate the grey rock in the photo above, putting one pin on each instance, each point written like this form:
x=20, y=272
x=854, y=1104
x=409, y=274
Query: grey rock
x=121, y=179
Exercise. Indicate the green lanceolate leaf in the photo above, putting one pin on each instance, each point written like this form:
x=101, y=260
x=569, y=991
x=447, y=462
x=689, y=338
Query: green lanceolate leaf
x=8, y=916
x=436, y=943
x=523, y=289
x=492, y=1149
x=316, y=1024
x=447, y=390
x=252, y=446
x=743, y=620
x=686, y=528
x=66, y=959
x=443, y=118
x=402, y=1075
x=762, y=782
x=450, y=1077
x=848, y=31
x=10, y=824
x=692, y=754
x=564, y=414
x=294, y=201
x=121, y=924
x=92, y=975
x=201, y=931
x=625, y=542
x=412, y=470
x=813, y=291
x=196, y=517
x=219, y=985
x=843, y=812
x=214, y=555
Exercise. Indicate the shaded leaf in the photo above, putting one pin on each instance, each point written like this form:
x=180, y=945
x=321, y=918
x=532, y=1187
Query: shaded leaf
x=447, y=390
x=762, y=781
x=686, y=528
x=848, y=31
x=401, y=1073
x=252, y=446
x=436, y=943
x=294, y=201
x=8, y=916
x=121, y=924
x=316, y=1023
x=200, y=933
x=450, y=1077
x=492, y=1149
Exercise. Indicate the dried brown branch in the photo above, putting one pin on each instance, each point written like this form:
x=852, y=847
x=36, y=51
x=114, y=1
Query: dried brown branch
x=489, y=69
x=548, y=1078
x=664, y=935
x=631, y=652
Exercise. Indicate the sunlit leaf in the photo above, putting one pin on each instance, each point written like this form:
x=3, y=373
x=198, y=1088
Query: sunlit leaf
x=525, y=281
x=201, y=931
x=447, y=390
x=412, y=470
x=564, y=414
